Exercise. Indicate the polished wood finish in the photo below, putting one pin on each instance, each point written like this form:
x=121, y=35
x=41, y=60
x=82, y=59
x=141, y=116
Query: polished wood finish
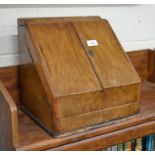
x=68, y=67
x=73, y=76
x=9, y=77
x=8, y=121
x=140, y=60
x=109, y=60
x=34, y=92
x=24, y=21
x=35, y=95
x=151, y=66
x=32, y=137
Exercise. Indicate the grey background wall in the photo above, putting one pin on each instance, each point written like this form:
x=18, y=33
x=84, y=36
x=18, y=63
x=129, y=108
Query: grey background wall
x=134, y=25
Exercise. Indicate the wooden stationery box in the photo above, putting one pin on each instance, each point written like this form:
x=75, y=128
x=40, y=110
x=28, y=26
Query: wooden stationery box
x=74, y=73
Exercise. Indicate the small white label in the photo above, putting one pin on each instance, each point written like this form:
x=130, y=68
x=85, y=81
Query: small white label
x=92, y=43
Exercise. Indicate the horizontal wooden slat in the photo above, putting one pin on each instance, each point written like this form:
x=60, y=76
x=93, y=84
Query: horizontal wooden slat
x=109, y=139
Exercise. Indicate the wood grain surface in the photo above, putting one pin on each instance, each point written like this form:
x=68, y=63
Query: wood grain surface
x=67, y=62
x=32, y=92
x=74, y=76
x=47, y=20
x=9, y=77
x=109, y=60
x=140, y=60
x=8, y=121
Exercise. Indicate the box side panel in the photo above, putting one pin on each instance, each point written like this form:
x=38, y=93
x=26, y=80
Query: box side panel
x=33, y=97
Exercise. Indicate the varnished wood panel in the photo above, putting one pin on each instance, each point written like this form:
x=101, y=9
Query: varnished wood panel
x=67, y=63
x=151, y=66
x=34, y=94
x=8, y=121
x=6, y=140
x=140, y=60
x=9, y=77
x=47, y=20
x=77, y=104
x=95, y=117
x=108, y=58
x=117, y=96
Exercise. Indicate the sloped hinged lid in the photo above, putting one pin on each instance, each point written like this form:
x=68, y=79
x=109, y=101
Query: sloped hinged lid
x=80, y=56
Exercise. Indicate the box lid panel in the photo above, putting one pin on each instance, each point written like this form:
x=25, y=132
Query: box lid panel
x=69, y=69
x=108, y=58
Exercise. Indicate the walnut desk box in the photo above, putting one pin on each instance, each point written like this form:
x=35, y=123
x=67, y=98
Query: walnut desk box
x=74, y=74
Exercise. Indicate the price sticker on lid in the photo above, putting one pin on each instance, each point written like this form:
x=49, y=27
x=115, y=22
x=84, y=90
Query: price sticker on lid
x=92, y=43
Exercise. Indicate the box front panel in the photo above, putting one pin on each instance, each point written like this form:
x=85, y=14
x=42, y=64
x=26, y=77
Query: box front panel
x=117, y=96
x=73, y=105
x=94, y=118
